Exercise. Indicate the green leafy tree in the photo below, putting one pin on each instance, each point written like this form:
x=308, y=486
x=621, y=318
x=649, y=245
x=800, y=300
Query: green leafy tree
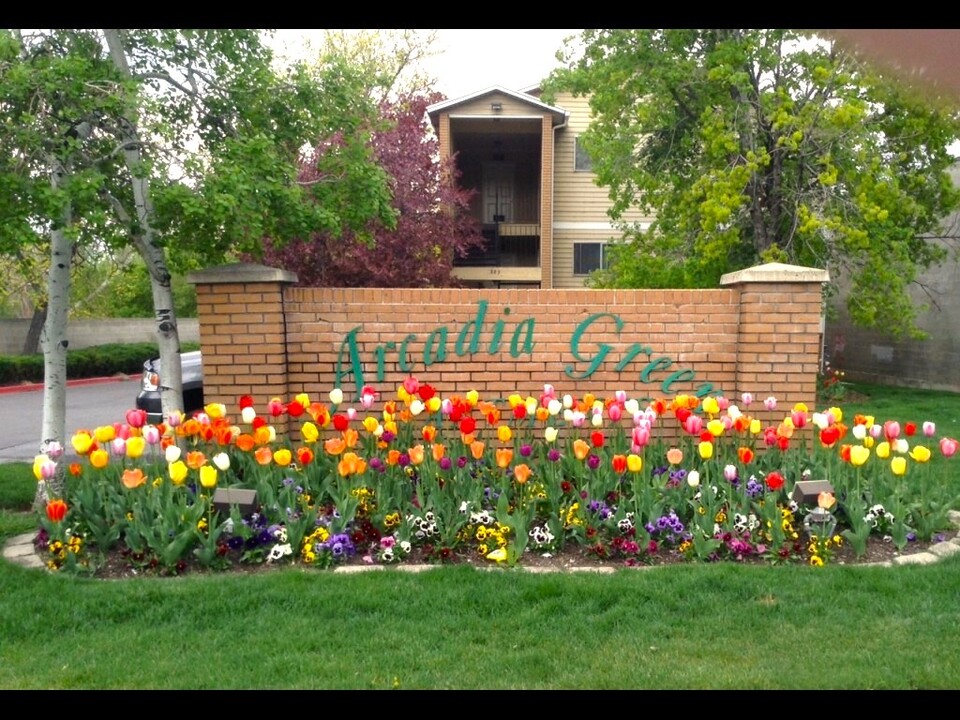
x=184, y=145
x=764, y=146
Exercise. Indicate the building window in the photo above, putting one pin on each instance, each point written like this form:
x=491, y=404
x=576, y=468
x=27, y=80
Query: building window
x=589, y=256
x=581, y=160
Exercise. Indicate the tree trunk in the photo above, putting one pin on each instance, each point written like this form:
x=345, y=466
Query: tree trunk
x=31, y=344
x=144, y=239
x=53, y=341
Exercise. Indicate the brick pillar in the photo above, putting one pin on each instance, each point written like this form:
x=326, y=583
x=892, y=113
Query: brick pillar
x=780, y=332
x=243, y=333
x=546, y=202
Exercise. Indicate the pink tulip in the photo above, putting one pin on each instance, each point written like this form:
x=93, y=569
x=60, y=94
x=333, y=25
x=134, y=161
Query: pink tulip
x=620, y=396
x=615, y=412
x=723, y=403
x=929, y=429
x=640, y=437
x=891, y=428
x=118, y=447
x=746, y=398
x=136, y=418
x=798, y=418
x=727, y=422
x=693, y=424
x=948, y=446
x=151, y=434
x=351, y=414
x=770, y=403
x=730, y=473
x=876, y=431
x=367, y=397
x=411, y=385
x=446, y=406
x=54, y=450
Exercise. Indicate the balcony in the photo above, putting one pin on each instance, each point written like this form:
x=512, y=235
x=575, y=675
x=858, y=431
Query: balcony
x=511, y=256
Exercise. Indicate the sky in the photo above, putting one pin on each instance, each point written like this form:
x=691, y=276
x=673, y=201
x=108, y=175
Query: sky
x=471, y=60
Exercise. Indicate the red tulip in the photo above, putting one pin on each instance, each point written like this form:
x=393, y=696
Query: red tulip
x=56, y=510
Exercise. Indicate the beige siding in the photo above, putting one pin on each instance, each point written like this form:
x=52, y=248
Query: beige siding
x=481, y=106
x=580, y=205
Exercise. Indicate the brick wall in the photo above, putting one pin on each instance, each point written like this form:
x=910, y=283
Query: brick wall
x=263, y=336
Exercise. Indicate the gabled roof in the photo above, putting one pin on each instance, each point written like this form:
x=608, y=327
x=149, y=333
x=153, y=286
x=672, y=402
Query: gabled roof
x=559, y=114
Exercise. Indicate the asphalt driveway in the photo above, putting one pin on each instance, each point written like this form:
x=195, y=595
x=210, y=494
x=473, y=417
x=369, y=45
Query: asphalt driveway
x=90, y=403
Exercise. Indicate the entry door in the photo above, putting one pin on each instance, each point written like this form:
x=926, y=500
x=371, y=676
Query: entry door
x=497, y=192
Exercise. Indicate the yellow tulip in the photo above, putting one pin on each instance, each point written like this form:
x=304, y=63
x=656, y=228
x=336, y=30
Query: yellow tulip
x=868, y=441
x=104, y=433
x=706, y=449
x=515, y=399
x=215, y=410
x=898, y=466
x=208, y=476
x=711, y=406
x=136, y=446
x=99, y=458
x=755, y=426
x=634, y=463
x=504, y=433
x=178, y=472
x=283, y=457
x=883, y=450
x=81, y=442
x=473, y=397
x=858, y=455
x=309, y=432
x=920, y=454
x=434, y=404
x=715, y=428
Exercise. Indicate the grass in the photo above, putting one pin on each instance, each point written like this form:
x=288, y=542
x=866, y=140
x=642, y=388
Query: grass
x=691, y=626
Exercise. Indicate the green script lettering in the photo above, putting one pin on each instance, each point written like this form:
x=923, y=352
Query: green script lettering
x=661, y=363
x=477, y=324
x=402, y=359
x=632, y=352
x=604, y=348
x=350, y=345
x=677, y=376
x=515, y=349
x=435, y=349
x=497, y=334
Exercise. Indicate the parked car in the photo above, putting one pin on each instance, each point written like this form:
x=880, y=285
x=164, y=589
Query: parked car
x=149, y=396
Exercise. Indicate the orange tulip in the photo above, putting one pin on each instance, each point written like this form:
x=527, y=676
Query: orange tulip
x=438, y=451
x=746, y=455
x=245, y=442
x=263, y=435
x=522, y=473
x=504, y=457
x=133, y=478
x=415, y=454
x=393, y=456
x=619, y=463
x=351, y=464
x=476, y=449
x=264, y=455
x=334, y=446
x=195, y=459
x=304, y=456
x=674, y=456
x=429, y=433
x=351, y=437
x=581, y=449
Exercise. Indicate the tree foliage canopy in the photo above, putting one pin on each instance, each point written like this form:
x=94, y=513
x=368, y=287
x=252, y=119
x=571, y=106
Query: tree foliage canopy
x=764, y=145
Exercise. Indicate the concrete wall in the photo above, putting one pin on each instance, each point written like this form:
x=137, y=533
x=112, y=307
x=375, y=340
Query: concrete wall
x=88, y=333
x=875, y=357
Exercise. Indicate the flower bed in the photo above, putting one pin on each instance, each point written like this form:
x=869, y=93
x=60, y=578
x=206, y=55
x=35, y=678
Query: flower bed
x=461, y=478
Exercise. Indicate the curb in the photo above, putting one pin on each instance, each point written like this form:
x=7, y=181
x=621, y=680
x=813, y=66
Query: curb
x=32, y=387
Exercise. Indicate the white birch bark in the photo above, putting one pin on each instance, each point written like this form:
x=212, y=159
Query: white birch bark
x=144, y=239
